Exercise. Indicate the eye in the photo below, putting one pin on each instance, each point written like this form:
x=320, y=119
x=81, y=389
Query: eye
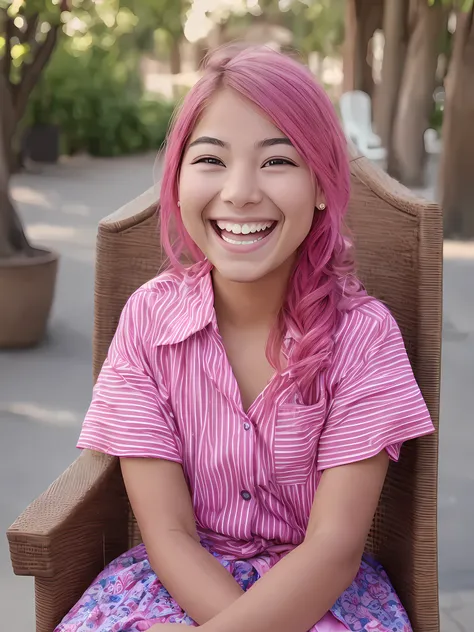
x=276, y=162
x=208, y=160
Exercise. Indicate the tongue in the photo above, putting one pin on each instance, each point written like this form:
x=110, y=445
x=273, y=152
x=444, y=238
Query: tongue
x=248, y=237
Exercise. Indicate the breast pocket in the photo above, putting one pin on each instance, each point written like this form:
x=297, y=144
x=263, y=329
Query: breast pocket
x=297, y=431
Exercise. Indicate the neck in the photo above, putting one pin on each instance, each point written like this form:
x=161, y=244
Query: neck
x=249, y=304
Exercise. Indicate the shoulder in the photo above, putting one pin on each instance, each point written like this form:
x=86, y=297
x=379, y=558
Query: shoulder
x=156, y=297
x=170, y=307
x=368, y=317
x=362, y=331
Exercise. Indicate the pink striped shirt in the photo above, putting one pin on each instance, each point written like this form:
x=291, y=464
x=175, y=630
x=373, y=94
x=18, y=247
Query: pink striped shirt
x=166, y=390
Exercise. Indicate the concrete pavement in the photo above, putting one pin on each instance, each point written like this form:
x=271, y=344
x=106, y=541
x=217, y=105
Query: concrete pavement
x=44, y=392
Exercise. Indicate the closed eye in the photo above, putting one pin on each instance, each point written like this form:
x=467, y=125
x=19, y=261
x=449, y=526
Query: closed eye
x=208, y=160
x=276, y=162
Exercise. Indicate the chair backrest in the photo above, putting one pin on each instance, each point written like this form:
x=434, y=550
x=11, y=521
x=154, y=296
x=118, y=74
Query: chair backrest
x=399, y=251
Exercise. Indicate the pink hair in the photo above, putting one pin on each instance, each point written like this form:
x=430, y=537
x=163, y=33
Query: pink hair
x=324, y=272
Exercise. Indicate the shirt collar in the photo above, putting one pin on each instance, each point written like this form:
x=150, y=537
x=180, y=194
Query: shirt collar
x=195, y=293
x=195, y=310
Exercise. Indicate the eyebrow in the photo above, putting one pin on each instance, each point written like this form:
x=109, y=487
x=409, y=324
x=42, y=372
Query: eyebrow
x=208, y=140
x=268, y=142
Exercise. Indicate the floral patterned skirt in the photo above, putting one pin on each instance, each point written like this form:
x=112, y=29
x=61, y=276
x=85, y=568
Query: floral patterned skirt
x=128, y=597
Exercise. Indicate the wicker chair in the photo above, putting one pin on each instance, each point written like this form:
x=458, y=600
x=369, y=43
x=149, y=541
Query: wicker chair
x=66, y=536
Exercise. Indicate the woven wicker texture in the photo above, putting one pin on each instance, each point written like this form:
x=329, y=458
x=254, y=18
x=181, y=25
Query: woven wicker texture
x=83, y=520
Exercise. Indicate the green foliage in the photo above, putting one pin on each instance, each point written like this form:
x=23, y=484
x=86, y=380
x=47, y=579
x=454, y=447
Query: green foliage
x=316, y=25
x=460, y=5
x=320, y=25
x=165, y=16
x=91, y=88
x=98, y=106
x=27, y=22
x=49, y=10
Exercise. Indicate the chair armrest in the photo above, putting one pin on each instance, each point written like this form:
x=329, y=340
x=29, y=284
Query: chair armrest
x=82, y=515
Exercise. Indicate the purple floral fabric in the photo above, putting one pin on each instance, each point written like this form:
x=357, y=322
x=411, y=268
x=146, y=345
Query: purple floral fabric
x=128, y=597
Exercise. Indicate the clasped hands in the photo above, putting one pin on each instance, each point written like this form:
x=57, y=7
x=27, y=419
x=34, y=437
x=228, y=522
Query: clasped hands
x=162, y=627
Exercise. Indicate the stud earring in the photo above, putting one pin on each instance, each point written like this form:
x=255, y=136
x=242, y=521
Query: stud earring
x=179, y=204
x=321, y=206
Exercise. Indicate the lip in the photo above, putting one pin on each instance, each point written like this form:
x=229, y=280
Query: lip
x=234, y=248
x=248, y=220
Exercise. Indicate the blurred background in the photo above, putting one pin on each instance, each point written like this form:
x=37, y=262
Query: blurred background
x=87, y=89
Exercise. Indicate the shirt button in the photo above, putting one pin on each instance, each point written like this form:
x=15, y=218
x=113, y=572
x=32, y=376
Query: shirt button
x=245, y=494
x=246, y=426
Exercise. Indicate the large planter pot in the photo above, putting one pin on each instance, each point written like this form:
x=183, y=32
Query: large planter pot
x=26, y=295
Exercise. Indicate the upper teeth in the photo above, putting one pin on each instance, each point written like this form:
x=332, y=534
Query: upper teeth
x=244, y=229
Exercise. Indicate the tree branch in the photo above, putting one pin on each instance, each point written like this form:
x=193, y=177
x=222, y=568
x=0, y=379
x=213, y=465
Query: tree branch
x=7, y=58
x=12, y=235
x=28, y=36
x=33, y=70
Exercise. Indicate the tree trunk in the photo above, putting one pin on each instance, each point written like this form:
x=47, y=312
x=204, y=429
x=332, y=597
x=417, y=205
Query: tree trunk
x=363, y=18
x=33, y=70
x=12, y=109
x=216, y=37
x=199, y=53
x=175, y=56
x=415, y=101
x=12, y=235
x=395, y=28
x=456, y=174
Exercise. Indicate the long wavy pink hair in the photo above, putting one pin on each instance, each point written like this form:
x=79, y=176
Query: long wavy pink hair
x=323, y=278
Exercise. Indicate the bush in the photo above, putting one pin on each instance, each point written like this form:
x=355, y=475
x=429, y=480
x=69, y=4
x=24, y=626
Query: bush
x=98, y=105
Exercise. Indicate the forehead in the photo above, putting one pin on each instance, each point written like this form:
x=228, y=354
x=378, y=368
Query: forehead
x=229, y=115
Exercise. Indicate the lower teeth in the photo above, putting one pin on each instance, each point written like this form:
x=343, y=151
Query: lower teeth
x=240, y=243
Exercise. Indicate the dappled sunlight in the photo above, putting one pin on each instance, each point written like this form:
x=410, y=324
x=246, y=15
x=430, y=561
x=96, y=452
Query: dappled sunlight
x=27, y=195
x=165, y=84
x=458, y=250
x=51, y=201
x=30, y=411
x=70, y=234
x=204, y=14
x=76, y=209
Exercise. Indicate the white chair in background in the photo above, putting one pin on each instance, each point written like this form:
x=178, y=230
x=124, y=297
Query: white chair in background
x=356, y=114
x=433, y=143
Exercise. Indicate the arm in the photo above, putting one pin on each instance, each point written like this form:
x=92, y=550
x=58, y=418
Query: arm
x=162, y=505
x=297, y=592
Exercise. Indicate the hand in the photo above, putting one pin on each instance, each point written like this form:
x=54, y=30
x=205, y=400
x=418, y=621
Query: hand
x=159, y=627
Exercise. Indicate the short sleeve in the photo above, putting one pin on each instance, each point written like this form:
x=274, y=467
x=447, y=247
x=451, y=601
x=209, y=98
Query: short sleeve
x=130, y=415
x=377, y=403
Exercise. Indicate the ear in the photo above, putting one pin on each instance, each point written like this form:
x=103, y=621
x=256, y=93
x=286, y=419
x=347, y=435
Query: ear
x=320, y=201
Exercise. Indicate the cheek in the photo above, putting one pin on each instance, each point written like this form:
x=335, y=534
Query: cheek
x=192, y=198
x=194, y=190
x=295, y=199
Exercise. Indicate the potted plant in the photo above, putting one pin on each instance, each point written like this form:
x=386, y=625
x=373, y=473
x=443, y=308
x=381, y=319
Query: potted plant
x=29, y=29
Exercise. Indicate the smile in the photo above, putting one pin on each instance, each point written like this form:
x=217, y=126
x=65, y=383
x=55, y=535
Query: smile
x=243, y=235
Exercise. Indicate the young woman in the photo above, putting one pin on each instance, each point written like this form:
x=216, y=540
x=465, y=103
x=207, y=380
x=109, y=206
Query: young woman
x=254, y=397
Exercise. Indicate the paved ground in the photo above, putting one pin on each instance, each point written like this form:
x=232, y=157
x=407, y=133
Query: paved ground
x=44, y=392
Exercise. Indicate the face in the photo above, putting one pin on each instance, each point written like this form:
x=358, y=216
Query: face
x=247, y=198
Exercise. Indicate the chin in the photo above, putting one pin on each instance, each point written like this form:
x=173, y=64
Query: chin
x=242, y=273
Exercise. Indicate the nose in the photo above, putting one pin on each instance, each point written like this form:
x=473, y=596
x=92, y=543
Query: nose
x=241, y=187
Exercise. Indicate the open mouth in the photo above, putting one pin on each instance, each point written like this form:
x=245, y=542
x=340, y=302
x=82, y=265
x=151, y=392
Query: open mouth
x=243, y=234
